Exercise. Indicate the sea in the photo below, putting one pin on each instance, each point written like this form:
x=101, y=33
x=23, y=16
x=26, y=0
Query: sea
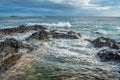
x=60, y=57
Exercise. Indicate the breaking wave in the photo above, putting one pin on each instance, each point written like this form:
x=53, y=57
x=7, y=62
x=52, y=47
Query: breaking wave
x=58, y=24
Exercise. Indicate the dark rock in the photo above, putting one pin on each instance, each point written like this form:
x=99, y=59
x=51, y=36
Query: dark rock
x=21, y=29
x=71, y=32
x=106, y=55
x=37, y=27
x=9, y=52
x=102, y=41
x=65, y=36
x=119, y=71
x=69, y=35
x=11, y=46
x=41, y=35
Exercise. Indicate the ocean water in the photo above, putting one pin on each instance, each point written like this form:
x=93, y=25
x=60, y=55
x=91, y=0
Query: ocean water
x=71, y=55
x=87, y=26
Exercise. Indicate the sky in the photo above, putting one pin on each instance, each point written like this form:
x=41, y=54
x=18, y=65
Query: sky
x=60, y=7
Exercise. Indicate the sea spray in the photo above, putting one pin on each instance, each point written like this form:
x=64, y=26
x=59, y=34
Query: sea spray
x=58, y=24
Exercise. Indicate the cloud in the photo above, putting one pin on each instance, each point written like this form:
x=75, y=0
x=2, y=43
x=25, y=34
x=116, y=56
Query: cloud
x=81, y=3
x=61, y=7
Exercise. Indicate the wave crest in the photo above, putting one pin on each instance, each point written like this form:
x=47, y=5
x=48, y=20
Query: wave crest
x=58, y=24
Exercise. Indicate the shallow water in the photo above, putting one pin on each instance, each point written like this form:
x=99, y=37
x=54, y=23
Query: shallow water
x=70, y=58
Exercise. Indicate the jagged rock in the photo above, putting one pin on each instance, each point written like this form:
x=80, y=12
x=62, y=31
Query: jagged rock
x=41, y=35
x=68, y=35
x=65, y=36
x=106, y=55
x=10, y=47
x=21, y=29
x=12, y=43
x=102, y=41
x=36, y=27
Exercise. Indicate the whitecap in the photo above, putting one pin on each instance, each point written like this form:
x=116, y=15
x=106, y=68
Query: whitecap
x=58, y=24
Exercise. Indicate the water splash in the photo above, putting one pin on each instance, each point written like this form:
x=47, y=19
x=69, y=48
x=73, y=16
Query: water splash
x=58, y=24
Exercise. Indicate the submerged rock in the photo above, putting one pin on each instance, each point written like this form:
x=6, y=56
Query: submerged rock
x=41, y=35
x=106, y=55
x=21, y=29
x=102, y=41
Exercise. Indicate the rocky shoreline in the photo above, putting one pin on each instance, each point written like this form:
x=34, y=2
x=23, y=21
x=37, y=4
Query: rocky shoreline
x=11, y=49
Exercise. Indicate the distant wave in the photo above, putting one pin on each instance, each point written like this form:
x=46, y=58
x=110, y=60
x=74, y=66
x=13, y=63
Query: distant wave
x=58, y=24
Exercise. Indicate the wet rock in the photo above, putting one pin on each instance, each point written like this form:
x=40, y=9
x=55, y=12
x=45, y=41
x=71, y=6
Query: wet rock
x=9, y=53
x=36, y=27
x=41, y=35
x=10, y=47
x=21, y=29
x=106, y=55
x=69, y=35
x=102, y=41
x=71, y=32
x=12, y=43
x=65, y=36
x=9, y=62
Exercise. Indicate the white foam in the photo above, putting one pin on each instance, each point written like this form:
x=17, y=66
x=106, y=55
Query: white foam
x=58, y=24
x=21, y=36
